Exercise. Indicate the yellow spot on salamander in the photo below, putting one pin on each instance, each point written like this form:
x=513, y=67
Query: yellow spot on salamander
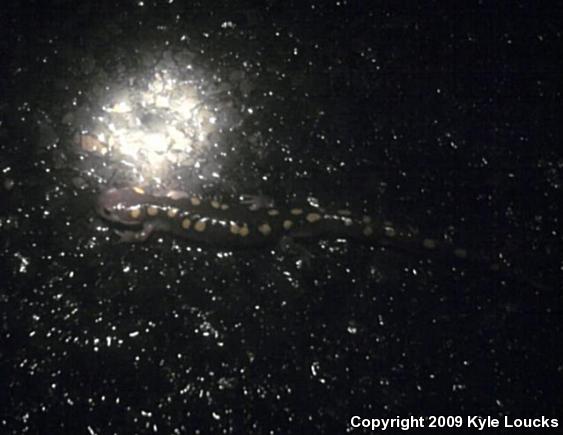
x=368, y=231
x=234, y=228
x=389, y=231
x=265, y=229
x=224, y=207
x=135, y=212
x=313, y=217
x=244, y=231
x=172, y=212
x=152, y=210
x=186, y=223
x=429, y=243
x=195, y=200
x=139, y=190
x=296, y=211
x=200, y=226
x=273, y=212
x=348, y=222
x=215, y=204
x=287, y=224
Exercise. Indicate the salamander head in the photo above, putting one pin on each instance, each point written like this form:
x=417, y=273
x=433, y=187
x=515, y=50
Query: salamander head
x=120, y=205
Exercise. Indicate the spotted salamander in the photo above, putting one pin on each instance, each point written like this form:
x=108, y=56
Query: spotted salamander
x=213, y=222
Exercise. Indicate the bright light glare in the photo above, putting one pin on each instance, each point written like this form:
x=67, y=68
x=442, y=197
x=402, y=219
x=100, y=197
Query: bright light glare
x=157, y=126
x=155, y=143
x=121, y=107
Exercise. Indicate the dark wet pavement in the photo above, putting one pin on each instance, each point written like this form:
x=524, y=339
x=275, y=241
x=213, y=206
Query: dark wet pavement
x=446, y=118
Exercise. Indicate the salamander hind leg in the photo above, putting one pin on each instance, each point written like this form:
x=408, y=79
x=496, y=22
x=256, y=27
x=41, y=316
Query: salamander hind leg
x=128, y=236
x=303, y=257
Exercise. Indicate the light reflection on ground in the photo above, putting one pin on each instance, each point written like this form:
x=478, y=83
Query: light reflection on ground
x=155, y=125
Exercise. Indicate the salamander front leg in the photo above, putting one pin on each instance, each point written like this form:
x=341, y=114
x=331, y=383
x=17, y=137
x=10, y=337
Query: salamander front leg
x=256, y=202
x=128, y=236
